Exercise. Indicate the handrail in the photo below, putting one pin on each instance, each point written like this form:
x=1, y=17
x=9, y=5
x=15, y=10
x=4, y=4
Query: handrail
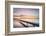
x=34, y=24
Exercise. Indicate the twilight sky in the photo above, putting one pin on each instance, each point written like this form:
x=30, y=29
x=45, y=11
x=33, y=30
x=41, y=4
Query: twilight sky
x=26, y=11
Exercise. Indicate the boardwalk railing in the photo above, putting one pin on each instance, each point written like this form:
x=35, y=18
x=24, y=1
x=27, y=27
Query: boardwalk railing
x=34, y=24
